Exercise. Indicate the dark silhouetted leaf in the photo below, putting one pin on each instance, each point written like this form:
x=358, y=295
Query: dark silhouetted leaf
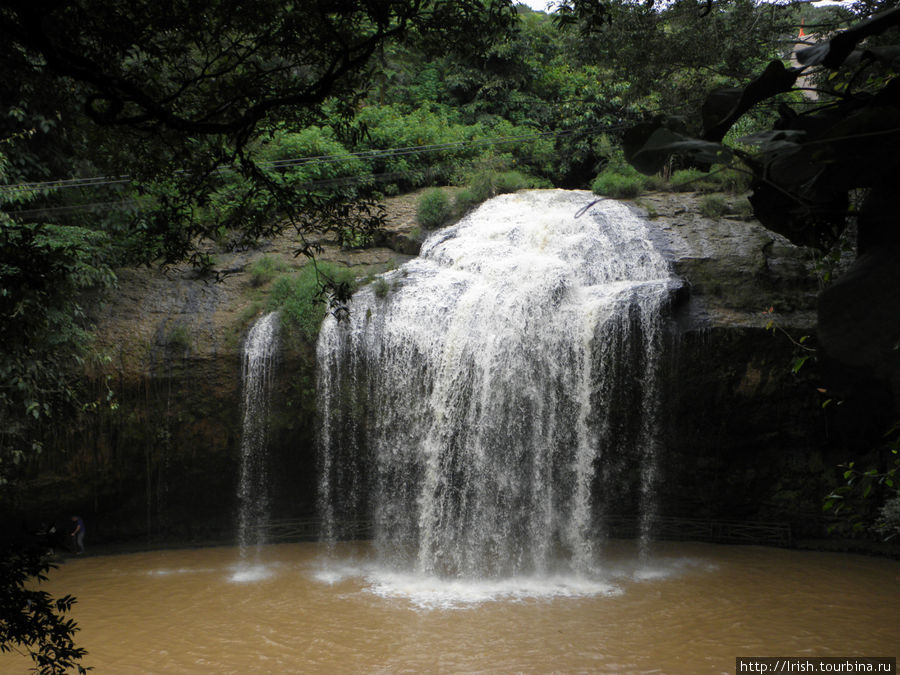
x=835, y=51
x=663, y=143
x=763, y=138
x=775, y=79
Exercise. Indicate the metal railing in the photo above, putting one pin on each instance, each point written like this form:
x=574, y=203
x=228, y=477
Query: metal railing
x=625, y=527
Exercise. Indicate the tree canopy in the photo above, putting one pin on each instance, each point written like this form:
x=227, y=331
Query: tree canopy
x=171, y=95
x=160, y=110
x=138, y=132
x=135, y=132
x=822, y=171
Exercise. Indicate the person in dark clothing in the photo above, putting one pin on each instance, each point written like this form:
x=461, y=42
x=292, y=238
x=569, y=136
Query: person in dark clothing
x=78, y=534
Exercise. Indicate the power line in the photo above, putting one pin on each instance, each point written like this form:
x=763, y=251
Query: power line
x=73, y=208
x=65, y=183
x=309, y=185
x=342, y=181
x=320, y=160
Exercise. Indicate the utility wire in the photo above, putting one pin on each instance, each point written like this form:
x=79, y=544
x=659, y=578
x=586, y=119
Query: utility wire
x=99, y=181
x=341, y=181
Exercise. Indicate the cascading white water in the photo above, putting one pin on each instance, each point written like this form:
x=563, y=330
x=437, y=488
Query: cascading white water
x=259, y=356
x=487, y=403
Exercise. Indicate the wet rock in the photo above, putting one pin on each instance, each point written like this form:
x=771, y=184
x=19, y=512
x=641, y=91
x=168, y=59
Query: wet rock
x=735, y=269
x=859, y=317
x=163, y=462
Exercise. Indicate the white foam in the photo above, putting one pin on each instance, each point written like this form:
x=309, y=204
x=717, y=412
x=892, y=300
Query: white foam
x=244, y=573
x=334, y=572
x=428, y=592
x=654, y=569
x=424, y=591
x=164, y=572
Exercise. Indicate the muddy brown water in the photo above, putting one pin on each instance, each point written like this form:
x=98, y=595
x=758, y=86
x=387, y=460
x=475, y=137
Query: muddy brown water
x=298, y=608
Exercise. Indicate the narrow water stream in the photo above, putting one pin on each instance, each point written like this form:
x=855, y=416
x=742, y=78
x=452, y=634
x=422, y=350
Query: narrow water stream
x=691, y=609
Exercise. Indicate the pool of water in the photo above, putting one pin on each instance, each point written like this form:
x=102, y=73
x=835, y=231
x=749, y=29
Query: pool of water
x=691, y=608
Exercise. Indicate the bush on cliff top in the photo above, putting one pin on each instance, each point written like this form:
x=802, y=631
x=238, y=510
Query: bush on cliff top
x=300, y=297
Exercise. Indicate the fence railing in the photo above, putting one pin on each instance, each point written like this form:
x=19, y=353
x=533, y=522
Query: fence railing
x=625, y=527
x=696, y=529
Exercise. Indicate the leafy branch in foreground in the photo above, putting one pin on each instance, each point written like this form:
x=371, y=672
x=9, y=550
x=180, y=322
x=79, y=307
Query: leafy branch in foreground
x=867, y=489
x=809, y=166
x=33, y=622
x=803, y=351
x=826, y=171
x=45, y=271
x=171, y=95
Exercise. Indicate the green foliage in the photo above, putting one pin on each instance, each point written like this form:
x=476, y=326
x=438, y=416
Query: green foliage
x=691, y=180
x=714, y=206
x=502, y=182
x=433, y=209
x=210, y=117
x=265, y=269
x=381, y=287
x=619, y=183
x=46, y=271
x=803, y=350
x=868, y=500
x=730, y=179
x=283, y=155
x=392, y=127
x=33, y=621
x=674, y=53
x=487, y=183
x=303, y=299
x=810, y=163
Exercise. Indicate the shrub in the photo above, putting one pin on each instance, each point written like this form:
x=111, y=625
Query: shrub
x=689, y=180
x=487, y=183
x=390, y=126
x=381, y=287
x=713, y=206
x=619, y=183
x=654, y=182
x=512, y=181
x=265, y=269
x=300, y=297
x=730, y=180
x=290, y=146
x=433, y=209
x=465, y=199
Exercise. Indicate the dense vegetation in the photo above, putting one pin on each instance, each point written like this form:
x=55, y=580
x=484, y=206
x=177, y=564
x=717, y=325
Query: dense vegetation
x=138, y=133
x=133, y=134
x=824, y=173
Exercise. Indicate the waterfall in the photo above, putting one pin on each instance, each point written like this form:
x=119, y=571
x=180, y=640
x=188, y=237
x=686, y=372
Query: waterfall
x=492, y=401
x=259, y=356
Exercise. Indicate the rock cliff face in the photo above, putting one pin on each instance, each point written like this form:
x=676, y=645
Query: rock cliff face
x=747, y=438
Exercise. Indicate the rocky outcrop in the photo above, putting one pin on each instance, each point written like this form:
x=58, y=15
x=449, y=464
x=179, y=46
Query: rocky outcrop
x=747, y=438
x=155, y=455
x=859, y=319
x=743, y=439
x=735, y=269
